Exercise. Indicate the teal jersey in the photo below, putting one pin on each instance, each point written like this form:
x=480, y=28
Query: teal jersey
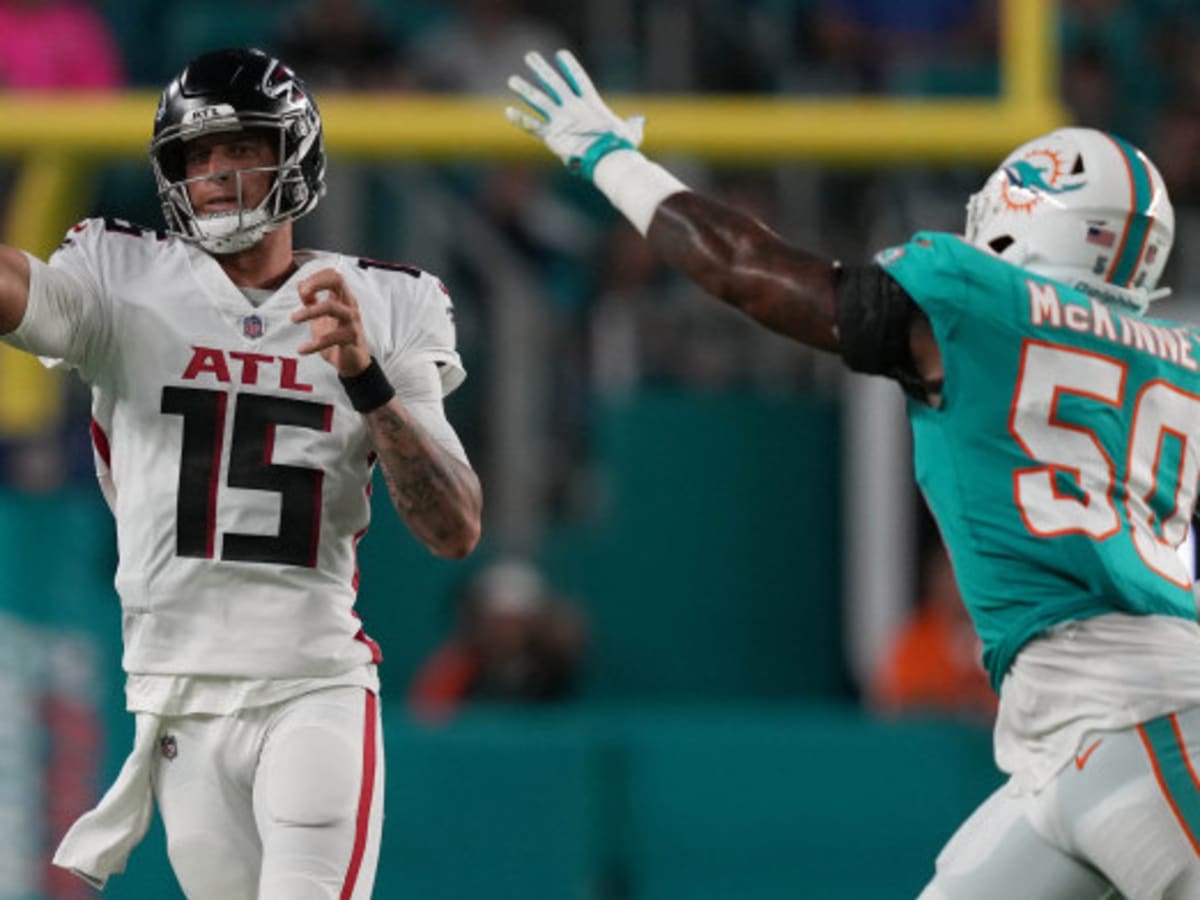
x=1063, y=463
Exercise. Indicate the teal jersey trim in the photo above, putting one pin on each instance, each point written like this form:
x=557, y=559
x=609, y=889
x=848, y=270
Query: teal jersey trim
x=585, y=165
x=549, y=90
x=1169, y=757
x=1134, y=240
x=570, y=80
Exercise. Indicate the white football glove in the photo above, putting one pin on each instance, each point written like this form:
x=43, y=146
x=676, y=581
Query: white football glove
x=574, y=121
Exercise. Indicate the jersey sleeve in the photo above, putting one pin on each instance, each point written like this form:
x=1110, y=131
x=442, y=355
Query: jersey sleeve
x=420, y=392
x=938, y=272
x=429, y=338
x=70, y=320
x=874, y=315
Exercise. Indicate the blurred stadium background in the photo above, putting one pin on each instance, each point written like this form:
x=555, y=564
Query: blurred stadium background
x=732, y=515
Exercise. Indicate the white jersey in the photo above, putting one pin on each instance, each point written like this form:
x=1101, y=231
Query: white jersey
x=238, y=472
x=1084, y=677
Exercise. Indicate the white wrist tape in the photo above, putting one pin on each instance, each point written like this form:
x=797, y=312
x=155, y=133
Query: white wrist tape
x=635, y=185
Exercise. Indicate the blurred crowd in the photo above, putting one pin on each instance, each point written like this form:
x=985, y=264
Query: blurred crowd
x=611, y=319
x=512, y=641
x=561, y=308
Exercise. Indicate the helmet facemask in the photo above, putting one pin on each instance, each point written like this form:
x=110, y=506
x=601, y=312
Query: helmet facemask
x=287, y=198
x=227, y=92
x=1081, y=207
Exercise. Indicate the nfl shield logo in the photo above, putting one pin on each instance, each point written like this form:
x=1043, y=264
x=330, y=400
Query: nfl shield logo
x=167, y=746
x=252, y=327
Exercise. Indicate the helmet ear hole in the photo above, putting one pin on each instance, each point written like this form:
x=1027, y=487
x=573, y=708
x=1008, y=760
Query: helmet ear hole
x=1000, y=244
x=1077, y=169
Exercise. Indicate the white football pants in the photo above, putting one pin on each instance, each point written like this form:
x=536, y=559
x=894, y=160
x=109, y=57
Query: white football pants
x=282, y=802
x=1121, y=820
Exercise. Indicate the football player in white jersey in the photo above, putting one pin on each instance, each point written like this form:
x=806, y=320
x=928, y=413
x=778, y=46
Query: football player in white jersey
x=244, y=392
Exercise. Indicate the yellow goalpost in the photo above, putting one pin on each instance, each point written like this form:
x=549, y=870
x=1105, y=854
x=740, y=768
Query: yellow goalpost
x=56, y=137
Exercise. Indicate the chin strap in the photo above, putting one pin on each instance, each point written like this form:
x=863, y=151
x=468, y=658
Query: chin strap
x=231, y=232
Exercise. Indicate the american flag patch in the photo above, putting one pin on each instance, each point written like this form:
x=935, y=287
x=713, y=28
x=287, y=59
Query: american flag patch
x=252, y=327
x=1151, y=253
x=1101, y=236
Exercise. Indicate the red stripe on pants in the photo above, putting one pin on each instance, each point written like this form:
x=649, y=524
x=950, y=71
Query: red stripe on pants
x=365, y=796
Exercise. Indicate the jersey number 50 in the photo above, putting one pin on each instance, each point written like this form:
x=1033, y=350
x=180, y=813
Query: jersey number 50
x=250, y=466
x=1161, y=412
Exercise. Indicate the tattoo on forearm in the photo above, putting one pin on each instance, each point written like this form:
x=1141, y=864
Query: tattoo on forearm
x=435, y=493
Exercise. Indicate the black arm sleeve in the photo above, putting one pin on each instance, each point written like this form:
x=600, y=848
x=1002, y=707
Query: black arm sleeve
x=874, y=316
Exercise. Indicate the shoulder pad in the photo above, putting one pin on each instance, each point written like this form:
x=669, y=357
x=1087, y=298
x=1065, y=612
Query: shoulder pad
x=92, y=230
x=365, y=263
x=121, y=226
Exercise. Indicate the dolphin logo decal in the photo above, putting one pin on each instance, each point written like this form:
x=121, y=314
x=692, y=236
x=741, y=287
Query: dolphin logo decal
x=1026, y=175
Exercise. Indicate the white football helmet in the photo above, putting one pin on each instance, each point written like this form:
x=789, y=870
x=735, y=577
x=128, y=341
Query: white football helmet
x=1083, y=207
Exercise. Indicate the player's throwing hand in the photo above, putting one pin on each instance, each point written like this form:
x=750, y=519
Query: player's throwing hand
x=335, y=323
x=571, y=118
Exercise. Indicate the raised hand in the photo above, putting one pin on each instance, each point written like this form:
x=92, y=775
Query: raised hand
x=334, y=323
x=569, y=116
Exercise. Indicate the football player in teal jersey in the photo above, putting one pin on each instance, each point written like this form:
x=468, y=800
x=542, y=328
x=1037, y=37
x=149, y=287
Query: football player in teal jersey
x=1056, y=439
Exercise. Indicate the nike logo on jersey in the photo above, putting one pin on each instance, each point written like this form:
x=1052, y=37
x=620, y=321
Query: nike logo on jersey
x=1082, y=758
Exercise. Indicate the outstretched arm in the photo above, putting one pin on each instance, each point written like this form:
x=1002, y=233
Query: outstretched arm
x=49, y=311
x=738, y=259
x=437, y=496
x=860, y=313
x=14, y=288
x=730, y=254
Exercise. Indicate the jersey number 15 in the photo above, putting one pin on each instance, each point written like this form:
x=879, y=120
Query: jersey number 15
x=250, y=450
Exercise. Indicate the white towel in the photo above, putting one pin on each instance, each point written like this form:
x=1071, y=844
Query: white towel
x=100, y=841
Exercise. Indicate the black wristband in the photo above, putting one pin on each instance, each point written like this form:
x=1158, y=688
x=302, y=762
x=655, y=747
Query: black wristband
x=369, y=389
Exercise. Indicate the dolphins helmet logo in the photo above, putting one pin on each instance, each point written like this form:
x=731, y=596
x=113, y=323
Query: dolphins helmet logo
x=1027, y=181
